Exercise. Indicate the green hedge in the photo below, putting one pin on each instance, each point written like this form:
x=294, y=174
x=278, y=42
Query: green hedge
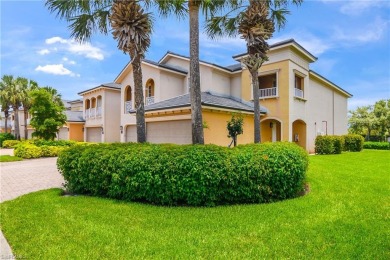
x=41, y=142
x=353, y=143
x=5, y=136
x=376, y=145
x=28, y=151
x=329, y=144
x=185, y=175
x=10, y=143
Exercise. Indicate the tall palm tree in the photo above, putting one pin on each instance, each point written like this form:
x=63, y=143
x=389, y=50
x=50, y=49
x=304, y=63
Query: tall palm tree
x=26, y=87
x=208, y=8
x=132, y=28
x=57, y=98
x=5, y=102
x=90, y=16
x=255, y=23
x=12, y=88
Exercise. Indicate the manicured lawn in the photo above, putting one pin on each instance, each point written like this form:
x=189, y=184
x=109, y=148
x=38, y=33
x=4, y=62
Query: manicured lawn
x=346, y=215
x=9, y=158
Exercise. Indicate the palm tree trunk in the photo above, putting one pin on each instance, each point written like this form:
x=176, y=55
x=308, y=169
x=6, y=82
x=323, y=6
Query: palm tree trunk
x=25, y=123
x=6, y=114
x=195, y=92
x=16, y=114
x=256, y=104
x=139, y=99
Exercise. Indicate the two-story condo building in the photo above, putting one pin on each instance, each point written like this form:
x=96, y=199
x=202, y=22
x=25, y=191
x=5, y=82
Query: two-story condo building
x=297, y=104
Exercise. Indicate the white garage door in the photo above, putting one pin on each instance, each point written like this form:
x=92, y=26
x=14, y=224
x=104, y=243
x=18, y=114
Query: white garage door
x=177, y=132
x=63, y=133
x=94, y=134
x=131, y=133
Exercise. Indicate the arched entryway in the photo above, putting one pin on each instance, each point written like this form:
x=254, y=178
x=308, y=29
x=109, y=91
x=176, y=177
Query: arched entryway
x=299, y=133
x=271, y=130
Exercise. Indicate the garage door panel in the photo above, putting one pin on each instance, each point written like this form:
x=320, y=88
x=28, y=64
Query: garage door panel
x=63, y=133
x=131, y=133
x=94, y=134
x=177, y=132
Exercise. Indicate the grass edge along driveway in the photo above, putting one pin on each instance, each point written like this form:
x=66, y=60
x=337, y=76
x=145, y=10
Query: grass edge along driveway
x=344, y=216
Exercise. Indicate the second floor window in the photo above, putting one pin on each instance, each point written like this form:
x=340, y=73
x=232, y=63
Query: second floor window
x=298, y=87
x=268, y=85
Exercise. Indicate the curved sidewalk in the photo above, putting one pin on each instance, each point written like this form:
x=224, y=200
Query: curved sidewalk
x=19, y=178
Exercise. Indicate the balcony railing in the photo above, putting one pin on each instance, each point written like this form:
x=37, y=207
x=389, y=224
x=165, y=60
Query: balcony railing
x=99, y=112
x=128, y=106
x=298, y=93
x=92, y=113
x=149, y=100
x=87, y=113
x=268, y=92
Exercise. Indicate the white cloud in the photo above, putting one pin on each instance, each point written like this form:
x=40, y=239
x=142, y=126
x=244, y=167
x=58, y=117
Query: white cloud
x=313, y=44
x=372, y=32
x=55, y=40
x=71, y=62
x=43, y=52
x=86, y=49
x=356, y=7
x=56, y=69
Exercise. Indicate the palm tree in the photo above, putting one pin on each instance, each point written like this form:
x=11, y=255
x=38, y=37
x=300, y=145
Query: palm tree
x=194, y=7
x=132, y=28
x=26, y=87
x=255, y=23
x=57, y=98
x=90, y=16
x=5, y=102
x=12, y=90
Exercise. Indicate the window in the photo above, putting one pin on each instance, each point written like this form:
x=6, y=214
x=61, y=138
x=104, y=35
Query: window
x=149, y=92
x=298, y=86
x=128, y=99
x=268, y=85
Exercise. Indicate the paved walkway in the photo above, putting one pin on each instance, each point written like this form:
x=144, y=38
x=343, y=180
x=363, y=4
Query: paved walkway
x=19, y=178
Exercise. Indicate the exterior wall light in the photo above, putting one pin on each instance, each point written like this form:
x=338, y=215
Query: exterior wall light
x=121, y=128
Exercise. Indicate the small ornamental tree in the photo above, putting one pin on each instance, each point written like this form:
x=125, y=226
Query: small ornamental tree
x=47, y=115
x=235, y=126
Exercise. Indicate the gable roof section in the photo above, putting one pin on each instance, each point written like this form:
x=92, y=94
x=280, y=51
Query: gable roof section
x=113, y=86
x=289, y=42
x=330, y=83
x=208, y=99
x=74, y=116
x=231, y=68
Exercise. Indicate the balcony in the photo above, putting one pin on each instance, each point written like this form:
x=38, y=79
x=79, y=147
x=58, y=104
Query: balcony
x=99, y=112
x=87, y=113
x=268, y=92
x=149, y=100
x=128, y=106
x=298, y=93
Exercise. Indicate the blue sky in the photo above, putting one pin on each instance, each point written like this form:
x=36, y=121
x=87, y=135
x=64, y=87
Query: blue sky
x=350, y=38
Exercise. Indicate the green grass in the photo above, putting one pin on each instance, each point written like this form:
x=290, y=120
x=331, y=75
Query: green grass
x=9, y=158
x=345, y=216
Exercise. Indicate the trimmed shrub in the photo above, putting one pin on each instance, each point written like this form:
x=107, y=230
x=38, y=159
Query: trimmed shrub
x=28, y=151
x=5, y=136
x=376, y=145
x=42, y=142
x=51, y=151
x=329, y=144
x=193, y=175
x=353, y=143
x=10, y=143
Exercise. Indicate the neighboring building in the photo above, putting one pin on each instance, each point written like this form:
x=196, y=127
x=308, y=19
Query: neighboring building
x=72, y=130
x=297, y=104
x=102, y=113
